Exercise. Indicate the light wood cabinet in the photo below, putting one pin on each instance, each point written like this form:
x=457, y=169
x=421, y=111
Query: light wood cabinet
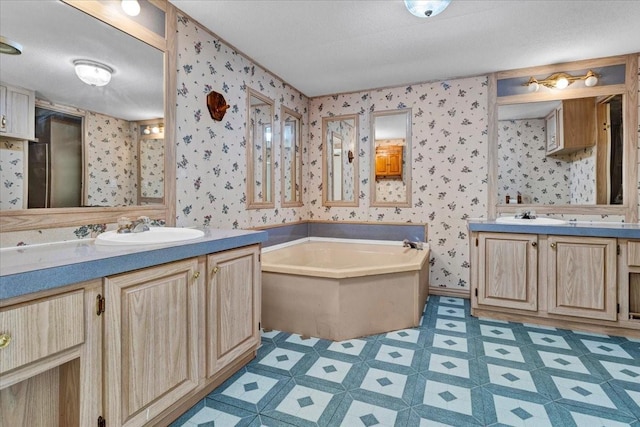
x=17, y=112
x=232, y=306
x=572, y=126
x=581, y=277
x=50, y=359
x=507, y=272
x=389, y=162
x=151, y=344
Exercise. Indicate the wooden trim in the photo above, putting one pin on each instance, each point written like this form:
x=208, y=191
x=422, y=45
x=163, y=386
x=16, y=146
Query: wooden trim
x=251, y=203
x=565, y=66
x=297, y=165
x=630, y=121
x=450, y=292
x=356, y=170
x=492, y=154
x=587, y=92
x=170, y=95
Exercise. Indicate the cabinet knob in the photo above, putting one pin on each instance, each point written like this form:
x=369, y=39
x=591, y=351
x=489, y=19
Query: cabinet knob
x=3, y=122
x=553, y=245
x=5, y=340
x=534, y=244
x=196, y=275
x=214, y=270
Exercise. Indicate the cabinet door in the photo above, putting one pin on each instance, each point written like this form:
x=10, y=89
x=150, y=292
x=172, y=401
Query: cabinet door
x=150, y=341
x=18, y=112
x=582, y=277
x=395, y=163
x=381, y=164
x=507, y=270
x=3, y=108
x=233, y=306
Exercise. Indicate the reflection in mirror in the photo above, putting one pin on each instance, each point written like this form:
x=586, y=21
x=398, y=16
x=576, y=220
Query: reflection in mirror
x=103, y=170
x=391, y=157
x=551, y=153
x=260, y=191
x=340, y=161
x=151, y=162
x=291, y=158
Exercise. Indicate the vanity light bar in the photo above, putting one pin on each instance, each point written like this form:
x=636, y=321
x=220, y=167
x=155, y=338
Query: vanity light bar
x=561, y=81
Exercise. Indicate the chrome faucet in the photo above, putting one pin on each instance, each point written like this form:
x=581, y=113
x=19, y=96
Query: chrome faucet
x=526, y=215
x=413, y=245
x=125, y=225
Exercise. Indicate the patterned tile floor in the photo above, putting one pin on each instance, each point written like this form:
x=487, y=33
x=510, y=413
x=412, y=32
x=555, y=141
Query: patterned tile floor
x=453, y=370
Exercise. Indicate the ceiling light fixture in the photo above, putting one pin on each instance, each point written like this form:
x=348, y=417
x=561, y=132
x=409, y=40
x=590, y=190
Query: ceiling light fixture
x=426, y=8
x=9, y=47
x=561, y=81
x=130, y=7
x=93, y=73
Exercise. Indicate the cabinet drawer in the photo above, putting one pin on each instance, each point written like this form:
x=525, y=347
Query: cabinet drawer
x=633, y=251
x=41, y=328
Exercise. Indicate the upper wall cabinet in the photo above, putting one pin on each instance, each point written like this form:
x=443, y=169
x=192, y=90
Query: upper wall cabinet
x=17, y=112
x=260, y=136
x=564, y=138
x=291, y=157
x=391, y=158
x=340, y=161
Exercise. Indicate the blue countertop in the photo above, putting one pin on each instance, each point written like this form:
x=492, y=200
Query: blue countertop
x=571, y=228
x=34, y=268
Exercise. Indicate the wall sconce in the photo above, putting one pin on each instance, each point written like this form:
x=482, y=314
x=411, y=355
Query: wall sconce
x=561, y=81
x=217, y=105
x=350, y=156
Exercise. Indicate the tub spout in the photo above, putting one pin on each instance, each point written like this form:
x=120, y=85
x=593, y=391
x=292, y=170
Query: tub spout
x=413, y=245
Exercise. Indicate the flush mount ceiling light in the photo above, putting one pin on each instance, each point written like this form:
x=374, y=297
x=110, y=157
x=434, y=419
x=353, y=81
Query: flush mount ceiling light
x=93, y=73
x=130, y=7
x=426, y=8
x=9, y=47
x=561, y=81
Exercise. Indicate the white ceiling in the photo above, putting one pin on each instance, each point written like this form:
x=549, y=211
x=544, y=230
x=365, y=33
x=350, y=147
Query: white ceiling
x=333, y=46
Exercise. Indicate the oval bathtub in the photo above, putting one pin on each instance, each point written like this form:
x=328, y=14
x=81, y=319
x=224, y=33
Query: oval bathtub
x=340, y=290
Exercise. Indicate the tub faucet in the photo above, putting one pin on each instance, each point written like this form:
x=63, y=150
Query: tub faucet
x=413, y=245
x=125, y=225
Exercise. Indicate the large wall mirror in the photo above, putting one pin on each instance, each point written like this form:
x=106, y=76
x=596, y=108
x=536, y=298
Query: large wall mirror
x=565, y=151
x=291, y=157
x=260, y=151
x=340, y=161
x=391, y=158
x=103, y=168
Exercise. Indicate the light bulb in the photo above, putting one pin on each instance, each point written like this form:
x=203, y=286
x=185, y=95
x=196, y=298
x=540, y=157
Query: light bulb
x=146, y=131
x=562, y=83
x=591, y=79
x=533, y=87
x=155, y=129
x=131, y=7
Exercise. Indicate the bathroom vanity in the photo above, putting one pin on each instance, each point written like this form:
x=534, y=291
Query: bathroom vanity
x=124, y=335
x=575, y=275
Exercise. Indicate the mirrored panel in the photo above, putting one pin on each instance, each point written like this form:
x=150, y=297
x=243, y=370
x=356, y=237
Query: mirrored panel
x=391, y=158
x=340, y=161
x=151, y=162
x=291, y=158
x=260, y=128
x=561, y=152
x=54, y=36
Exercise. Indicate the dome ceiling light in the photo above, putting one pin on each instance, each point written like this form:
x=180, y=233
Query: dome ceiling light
x=93, y=73
x=426, y=8
x=9, y=47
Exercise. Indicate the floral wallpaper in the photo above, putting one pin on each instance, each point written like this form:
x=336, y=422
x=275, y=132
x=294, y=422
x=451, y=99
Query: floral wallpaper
x=12, y=173
x=582, y=176
x=111, y=158
x=523, y=166
x=151, y=167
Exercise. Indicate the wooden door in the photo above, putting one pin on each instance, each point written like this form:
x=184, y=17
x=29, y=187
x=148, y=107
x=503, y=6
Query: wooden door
x=395, y=162
x=150, y=341
x=233, y=306
x=507, y=270
x=582, y=277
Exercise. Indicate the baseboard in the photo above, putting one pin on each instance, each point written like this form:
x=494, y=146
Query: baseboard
x=449, y=292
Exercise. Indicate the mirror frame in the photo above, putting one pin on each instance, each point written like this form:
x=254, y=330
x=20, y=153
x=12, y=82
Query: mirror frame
x=406, y=158
x=251, y=203
x=284, y=111
x=629, y=90
x=355, y=163
x=35, y=219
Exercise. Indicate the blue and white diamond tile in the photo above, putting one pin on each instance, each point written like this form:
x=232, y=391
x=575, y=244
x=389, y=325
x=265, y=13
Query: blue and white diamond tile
x=591, y=416
x=451, y=312
x=548, y=340
x=502, y=351
x=629, y=393
x=330, y=371
x=452, y=301
x=564, y=362
x=360, y=412
x=450, y=325
x=536, y=326
x=354, y=347
x=605, y=348
x=497, y=332
x=492, y=321
x=411, y=336
x=276, y=359
x=382, y=387
x=622, y=371
x=270, y=334
x=395, y=355
x=511, y=411
x=512, y=378
x=448, y=365
x=210, y=414
x=250, y=388
x=450, y=343
x=304, y=404
x=452, y=400
x=300, y=340
x=384, y=382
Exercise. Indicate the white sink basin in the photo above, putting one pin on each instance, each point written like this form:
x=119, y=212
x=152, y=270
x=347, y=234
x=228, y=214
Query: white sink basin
x=535, y=221
x=155, y=235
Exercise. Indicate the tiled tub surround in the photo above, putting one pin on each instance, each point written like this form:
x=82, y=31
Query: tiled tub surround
x=341, y=289
x=579, y=275
x=34, y=268
x=453, y=370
